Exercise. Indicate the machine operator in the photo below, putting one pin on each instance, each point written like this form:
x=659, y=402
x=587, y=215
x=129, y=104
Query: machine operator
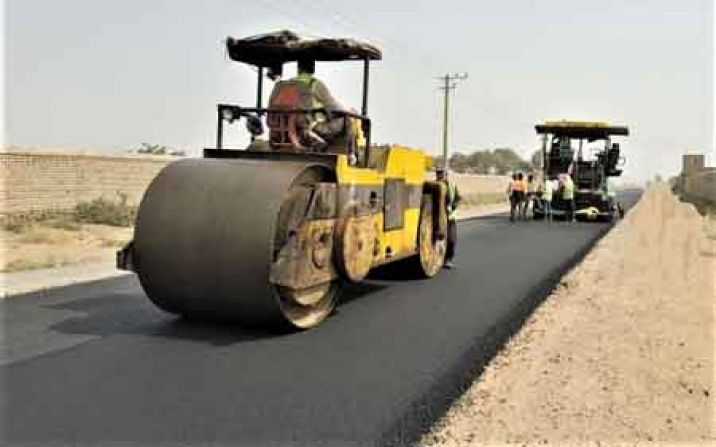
x=452, y=202
x=321, y=130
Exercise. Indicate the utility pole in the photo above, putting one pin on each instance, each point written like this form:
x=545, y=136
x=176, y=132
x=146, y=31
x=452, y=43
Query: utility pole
x=449, y=83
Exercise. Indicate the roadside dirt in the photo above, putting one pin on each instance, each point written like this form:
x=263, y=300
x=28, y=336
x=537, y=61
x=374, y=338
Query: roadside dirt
x=41, y=246
x=622, y=351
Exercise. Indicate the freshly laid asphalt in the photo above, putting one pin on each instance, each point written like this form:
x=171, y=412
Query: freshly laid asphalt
x=96, y=364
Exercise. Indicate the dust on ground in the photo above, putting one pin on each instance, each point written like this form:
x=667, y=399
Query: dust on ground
x=42, y=246
x=622, y=351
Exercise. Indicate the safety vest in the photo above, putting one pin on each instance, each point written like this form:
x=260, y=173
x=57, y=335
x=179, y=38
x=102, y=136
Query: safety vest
x=309, y=81
x=568, y=192
x=532, y=187
x=451, y=196
x=548, y=189
x=518, y=185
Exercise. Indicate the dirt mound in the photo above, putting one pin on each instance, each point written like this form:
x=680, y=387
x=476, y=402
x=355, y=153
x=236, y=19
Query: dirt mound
x=621, y=351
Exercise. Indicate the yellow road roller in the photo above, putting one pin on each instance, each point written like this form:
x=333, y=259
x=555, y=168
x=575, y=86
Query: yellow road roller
x=268, y=234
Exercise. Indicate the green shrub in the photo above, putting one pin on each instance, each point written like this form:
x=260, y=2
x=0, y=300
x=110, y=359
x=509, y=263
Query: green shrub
x=18, y=265
x=19, y=223
x=64, y=221
x=106, y=212
x=15, y=224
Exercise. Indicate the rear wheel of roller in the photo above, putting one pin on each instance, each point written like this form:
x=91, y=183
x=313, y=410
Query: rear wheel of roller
x=431, y=249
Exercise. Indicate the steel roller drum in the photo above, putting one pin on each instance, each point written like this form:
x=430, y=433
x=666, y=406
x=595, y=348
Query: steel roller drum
x=204, y=236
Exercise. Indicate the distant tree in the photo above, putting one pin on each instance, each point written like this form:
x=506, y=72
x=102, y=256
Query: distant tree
x=498, y=161
x=153, y=149
x=158, y=149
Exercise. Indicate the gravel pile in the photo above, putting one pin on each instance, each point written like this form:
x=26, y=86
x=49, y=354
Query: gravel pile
x=622, y=351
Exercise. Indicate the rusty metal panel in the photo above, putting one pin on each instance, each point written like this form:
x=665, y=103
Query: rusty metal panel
x=324, y=202
x=395, y=204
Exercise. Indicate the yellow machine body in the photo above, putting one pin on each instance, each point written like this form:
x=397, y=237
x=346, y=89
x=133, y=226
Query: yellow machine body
x=391, y=163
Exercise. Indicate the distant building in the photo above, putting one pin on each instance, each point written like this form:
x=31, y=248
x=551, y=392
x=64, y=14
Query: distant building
x=697, y=182
x=692, y=163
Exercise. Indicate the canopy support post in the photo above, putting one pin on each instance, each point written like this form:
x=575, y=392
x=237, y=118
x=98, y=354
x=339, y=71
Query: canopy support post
x=219, y=128
x=260, y=88
x=366, y=71
x=545, y=176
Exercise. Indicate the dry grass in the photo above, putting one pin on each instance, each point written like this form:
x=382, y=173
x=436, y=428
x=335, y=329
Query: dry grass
x=91, y=232
x=21, y=264
x=99, y=211
x=44, y=245
x=106, y=212
x=38, y=234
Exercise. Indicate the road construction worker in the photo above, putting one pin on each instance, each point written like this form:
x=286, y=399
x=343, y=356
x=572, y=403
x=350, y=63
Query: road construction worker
x=452, y=202
x=322, y=129
x=516, y=193
x=530, y=194
x=568, y=196
x=547, y=193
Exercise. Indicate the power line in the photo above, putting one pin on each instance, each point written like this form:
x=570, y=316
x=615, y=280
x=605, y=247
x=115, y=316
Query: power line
x=347, y=20
x=267, y=5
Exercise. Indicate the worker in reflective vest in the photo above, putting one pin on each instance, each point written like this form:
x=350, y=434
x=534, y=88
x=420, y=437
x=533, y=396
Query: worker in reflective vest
x=452, y=202
x=549, y=187
x=327, y=128
x=568, y=196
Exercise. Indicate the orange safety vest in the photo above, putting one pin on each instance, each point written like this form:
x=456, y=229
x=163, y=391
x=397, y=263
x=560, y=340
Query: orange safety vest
x=518, y=185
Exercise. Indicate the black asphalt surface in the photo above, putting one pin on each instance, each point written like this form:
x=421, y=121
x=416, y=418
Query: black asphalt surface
x=94, y=364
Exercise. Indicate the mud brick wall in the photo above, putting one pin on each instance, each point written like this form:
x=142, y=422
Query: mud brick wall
x=480, y=184
x=47, y=181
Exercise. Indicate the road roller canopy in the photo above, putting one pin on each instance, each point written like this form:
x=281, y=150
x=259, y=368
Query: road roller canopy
x=265, y=50
x=269, y=52
x=591, y=130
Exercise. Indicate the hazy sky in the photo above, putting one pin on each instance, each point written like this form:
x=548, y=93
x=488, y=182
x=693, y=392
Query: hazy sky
x=114, y=74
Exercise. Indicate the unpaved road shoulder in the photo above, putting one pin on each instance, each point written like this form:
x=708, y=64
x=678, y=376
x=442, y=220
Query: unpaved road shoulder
x=621, y=351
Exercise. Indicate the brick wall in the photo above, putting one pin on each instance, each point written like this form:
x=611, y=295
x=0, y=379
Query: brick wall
x=48, y=181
